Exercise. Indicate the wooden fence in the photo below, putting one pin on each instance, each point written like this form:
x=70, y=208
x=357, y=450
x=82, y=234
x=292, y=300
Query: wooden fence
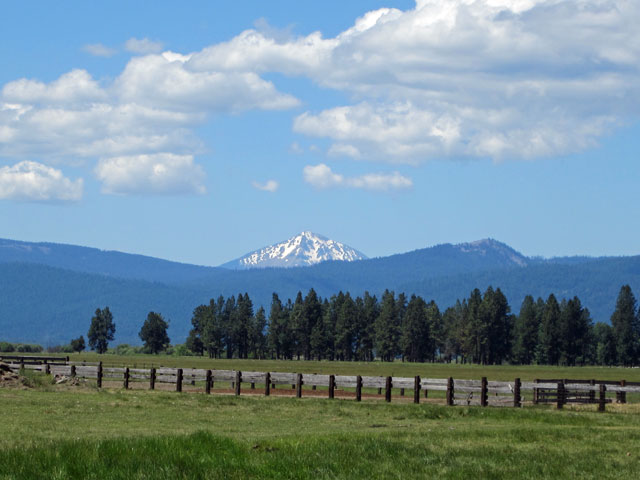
x=457, y=392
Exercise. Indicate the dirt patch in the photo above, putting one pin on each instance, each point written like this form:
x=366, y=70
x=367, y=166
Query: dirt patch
x=9, y=379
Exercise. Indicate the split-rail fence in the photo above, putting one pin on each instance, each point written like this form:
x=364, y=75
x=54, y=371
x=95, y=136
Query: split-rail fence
x=457, y=392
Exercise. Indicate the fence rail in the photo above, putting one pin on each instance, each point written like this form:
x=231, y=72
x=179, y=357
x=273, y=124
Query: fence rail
x=458, y=392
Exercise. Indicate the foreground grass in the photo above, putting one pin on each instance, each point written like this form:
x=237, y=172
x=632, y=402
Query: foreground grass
x=77, y=432
x=399, y=369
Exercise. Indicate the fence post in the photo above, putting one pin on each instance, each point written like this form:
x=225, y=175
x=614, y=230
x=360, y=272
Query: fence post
x=560, y=395
x=484, y=392
x=516, y=393
x=402, y=392
x=416, y=389
x=207, y=386
x=623, y=395
x=253, y=385
x=238, y=382
x=592, y=393
x=73, y=370
x=47, y=368
x=332, y=385
x=535, y=391
x=98, y=374
x=450, y=392
x=379, y=391
x=387, y=390
x=179, y=380
x=603, y=397
x=358, y=388
x=299, y=386
x=126, y=378
x=267, y=384
x=152, y=378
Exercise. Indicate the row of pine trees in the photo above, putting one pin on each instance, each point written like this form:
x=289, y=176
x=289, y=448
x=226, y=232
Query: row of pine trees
x=479, y=329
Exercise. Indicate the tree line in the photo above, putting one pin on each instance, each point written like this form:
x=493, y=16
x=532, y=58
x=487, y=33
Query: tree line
x=478, y=329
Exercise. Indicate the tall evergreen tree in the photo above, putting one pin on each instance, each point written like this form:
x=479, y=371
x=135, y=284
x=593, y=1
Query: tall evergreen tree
x=258, y=341
x=548, y=350
x=311, y=316
x=154, y=333
x=213, y=329
x=605, y=344
x=435, y=325
x=101, y=330
x=626, y=328
x=525, y=335
x=345, y=329
x=386, y=328
x=414, y=337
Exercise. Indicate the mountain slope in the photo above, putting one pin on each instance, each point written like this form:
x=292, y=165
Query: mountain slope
x=103, y=262
x=302, y=250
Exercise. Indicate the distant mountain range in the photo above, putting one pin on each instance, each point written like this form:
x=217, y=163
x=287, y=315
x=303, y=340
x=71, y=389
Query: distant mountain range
x=302, y=250
x=48, y=292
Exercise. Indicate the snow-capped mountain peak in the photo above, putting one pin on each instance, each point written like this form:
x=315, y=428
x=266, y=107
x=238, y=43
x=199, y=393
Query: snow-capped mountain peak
x=305, y=249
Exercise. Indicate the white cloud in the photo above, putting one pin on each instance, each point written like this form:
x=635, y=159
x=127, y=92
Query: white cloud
x=143, y=46
x=477, y=78
x=165, y=81
x=76, y=86
x=150, y=109
x=268, y=186
x=322, y=177
x=159, y=174
x=35, y=182
x=99, y=50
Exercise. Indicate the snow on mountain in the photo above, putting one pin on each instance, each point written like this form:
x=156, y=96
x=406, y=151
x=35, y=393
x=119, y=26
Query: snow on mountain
x=305, y=249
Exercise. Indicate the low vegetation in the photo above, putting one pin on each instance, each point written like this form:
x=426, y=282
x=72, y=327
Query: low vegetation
x=80, y=432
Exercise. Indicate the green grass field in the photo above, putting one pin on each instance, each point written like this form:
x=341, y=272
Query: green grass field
x=80, y=432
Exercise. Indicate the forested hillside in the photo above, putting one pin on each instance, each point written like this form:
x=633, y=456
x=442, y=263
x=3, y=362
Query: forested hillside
x=49, y=305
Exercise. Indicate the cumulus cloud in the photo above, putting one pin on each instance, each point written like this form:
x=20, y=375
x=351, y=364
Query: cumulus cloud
x=166, y=81
x=143, y=46
x=322, y=177
x=478, y=78
x=158, y=174
x=99, y=50
x=34, y=182
x=268, y=186
x=149, y=110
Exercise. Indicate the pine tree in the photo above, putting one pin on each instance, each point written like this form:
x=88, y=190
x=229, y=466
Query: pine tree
x=526, y=332
x=548, y=350
x=258, y=341
x=276, y=326
x=194, y=341
x=386, y=328
x=626, y=328
x=345, y=329
x=605, y=344
x=369, y=313
x=311, y=316
x=435, y=325
x=154, y=333
x=414, y=337
x=101, y=330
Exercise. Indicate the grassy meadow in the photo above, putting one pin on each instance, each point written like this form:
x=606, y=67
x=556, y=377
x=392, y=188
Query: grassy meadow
x=61, y=431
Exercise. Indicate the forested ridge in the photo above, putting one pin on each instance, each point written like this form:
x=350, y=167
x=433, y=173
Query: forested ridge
x=48, y=304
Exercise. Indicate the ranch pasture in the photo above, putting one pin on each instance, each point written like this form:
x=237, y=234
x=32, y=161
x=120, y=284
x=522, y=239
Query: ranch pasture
x=79, y=431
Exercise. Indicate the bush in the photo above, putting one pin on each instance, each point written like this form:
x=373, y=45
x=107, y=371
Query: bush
x=28, y=348
x=6, y=347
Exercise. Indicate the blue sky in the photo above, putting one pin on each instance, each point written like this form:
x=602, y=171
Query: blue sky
x=198, y=133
